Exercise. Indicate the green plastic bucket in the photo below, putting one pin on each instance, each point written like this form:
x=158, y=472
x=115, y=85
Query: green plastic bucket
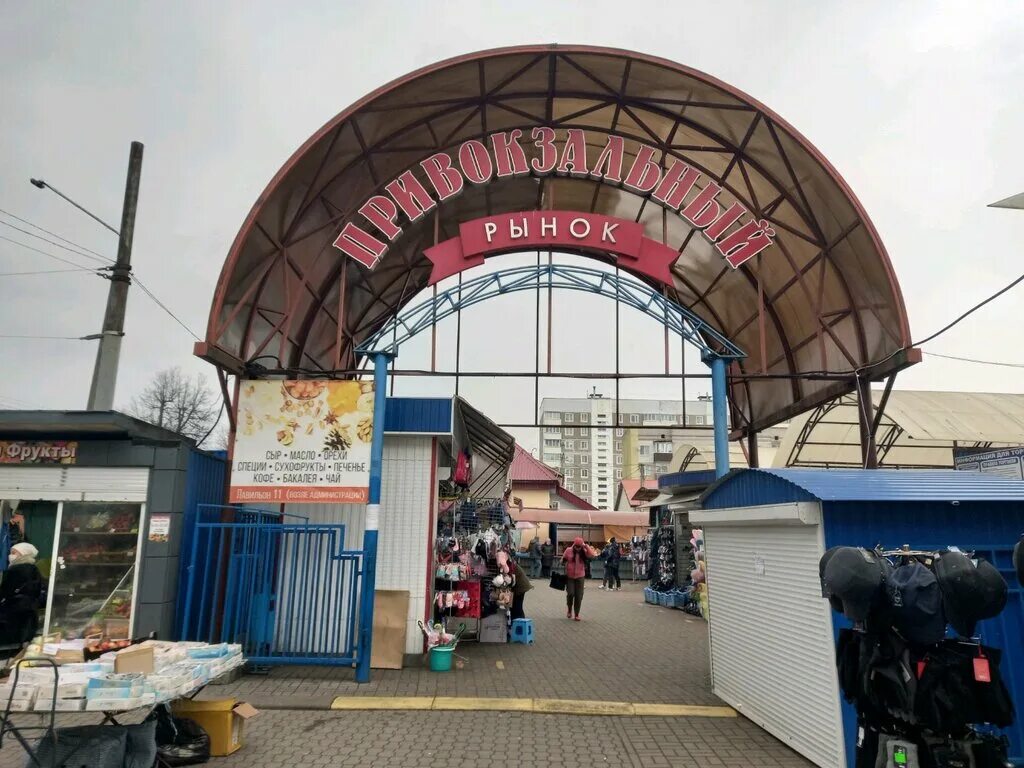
x=441, y=659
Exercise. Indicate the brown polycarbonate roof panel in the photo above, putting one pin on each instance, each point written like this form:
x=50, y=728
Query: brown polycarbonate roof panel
x=831, y=303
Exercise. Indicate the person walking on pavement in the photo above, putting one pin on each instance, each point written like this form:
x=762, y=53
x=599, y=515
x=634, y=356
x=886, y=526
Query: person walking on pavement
x=536, y=558
x=547, y=556
x=575, y=557
x=612, y=556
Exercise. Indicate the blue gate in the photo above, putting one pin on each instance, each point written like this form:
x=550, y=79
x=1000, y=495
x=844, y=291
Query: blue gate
x=286, y=591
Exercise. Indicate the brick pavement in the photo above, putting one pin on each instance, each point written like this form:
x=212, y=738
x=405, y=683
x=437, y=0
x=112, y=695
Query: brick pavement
x=624, y=650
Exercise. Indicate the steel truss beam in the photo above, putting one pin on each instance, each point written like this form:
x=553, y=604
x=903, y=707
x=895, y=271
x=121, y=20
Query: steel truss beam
x=632, y=293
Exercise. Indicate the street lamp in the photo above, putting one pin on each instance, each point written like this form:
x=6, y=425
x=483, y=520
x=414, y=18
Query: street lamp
x=108, y=354
x=43, y=185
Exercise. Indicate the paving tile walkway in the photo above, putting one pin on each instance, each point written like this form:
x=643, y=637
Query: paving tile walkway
x=623, y=651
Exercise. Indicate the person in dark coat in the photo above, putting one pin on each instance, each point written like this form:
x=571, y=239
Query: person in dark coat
x=536, y=558
x=612, y=556
x=21, y=589
x=547, y=556
x=519, y=590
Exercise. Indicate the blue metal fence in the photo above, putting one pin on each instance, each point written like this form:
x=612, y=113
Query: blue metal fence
x=286, y=591
x=205, y=486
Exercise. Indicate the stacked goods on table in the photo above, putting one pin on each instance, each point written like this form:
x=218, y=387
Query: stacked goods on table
x=145, y=674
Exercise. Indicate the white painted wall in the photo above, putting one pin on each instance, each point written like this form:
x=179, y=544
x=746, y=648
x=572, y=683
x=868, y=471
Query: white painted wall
x=406, y=497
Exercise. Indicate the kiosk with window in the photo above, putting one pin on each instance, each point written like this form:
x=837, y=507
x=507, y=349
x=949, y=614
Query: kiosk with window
x=104, y=498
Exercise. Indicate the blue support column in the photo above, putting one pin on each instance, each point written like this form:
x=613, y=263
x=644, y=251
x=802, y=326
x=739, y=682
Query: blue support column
x=369, y=583
x=720, y=412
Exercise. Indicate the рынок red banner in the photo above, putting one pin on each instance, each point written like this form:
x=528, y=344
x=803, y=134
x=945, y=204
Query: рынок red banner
x=506, y=232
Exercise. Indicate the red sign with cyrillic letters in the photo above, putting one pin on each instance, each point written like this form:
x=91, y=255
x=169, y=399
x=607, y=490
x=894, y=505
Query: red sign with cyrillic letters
x=491, y=235
x=678, y=187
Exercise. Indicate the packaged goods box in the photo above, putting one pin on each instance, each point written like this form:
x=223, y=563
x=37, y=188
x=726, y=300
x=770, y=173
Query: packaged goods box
x=222, y=719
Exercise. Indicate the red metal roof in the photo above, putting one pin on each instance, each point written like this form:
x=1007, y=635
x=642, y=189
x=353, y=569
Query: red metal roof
x=526, y=469
x=573, y=499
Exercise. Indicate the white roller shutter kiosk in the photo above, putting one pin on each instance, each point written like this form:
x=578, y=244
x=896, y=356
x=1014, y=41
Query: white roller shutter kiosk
x=772, y=647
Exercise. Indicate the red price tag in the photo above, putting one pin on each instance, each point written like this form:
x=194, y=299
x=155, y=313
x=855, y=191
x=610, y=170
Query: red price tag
x=982, y=673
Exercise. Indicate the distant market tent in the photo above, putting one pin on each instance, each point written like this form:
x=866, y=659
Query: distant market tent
x=917, y=429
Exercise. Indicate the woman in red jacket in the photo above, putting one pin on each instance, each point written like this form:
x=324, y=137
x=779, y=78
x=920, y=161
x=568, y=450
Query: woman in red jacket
x=575, y=558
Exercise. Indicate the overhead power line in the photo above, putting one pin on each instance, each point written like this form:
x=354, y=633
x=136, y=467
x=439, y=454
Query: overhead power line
x=78, y=250
x=60, y=338
x=75, y=251
x=45, y=253
x=973, y=360
x=921, y=342
x=54, y=234
x=971, y=311
x=50, y=272
x=164, y=307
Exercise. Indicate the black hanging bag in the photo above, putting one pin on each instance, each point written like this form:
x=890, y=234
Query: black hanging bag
x=557, y=579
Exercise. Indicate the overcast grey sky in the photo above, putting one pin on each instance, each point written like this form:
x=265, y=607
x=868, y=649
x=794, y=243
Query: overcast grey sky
x=918, y=104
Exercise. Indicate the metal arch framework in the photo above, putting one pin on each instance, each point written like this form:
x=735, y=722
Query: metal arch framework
x=823, y=298
x=631, y=293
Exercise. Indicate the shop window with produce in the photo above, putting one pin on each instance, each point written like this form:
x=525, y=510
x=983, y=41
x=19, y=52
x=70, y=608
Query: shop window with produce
x=94, y=571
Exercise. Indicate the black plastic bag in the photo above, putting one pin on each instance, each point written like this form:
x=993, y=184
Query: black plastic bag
x=87, y=746
x=179, y=741
x=140, y=749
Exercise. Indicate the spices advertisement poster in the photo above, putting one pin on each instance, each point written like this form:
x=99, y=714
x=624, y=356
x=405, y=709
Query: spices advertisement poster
x=303, y=442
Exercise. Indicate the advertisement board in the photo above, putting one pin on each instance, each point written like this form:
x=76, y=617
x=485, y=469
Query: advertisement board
x=1005, y=462
x=38, y=452
x=302, y=442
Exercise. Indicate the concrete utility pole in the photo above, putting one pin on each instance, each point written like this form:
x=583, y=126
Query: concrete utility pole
x=104, y=374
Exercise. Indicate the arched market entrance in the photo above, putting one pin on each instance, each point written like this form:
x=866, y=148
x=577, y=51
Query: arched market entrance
x=734, y=227
x=773, y=249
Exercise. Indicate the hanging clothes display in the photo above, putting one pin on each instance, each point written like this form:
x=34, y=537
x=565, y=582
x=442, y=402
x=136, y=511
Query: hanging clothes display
x=663, y=558
x=472, y=571
x=923, y=699
x=463, y=475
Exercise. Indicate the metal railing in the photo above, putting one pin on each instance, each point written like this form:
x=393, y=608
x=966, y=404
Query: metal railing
x=287, y=592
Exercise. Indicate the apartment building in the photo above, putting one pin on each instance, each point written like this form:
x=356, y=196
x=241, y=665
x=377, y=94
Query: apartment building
x=580, y=438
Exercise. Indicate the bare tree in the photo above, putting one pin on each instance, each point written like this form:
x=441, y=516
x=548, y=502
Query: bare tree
x=175, y=402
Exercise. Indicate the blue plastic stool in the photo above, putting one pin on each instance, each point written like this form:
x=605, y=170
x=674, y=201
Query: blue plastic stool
x=522, y=631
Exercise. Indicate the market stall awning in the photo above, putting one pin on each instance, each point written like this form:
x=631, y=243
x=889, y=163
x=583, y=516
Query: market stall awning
x=671, y=500
x=492, y=447
x=580, y=516
x=917, y=429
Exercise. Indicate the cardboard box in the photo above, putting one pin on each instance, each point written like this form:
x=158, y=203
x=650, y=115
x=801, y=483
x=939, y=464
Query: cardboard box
x=72, y=690
x=494, y=628
x=390, y=623
x=60, y=705
x=222, y=719
x=22, y=692
x=134, y=660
